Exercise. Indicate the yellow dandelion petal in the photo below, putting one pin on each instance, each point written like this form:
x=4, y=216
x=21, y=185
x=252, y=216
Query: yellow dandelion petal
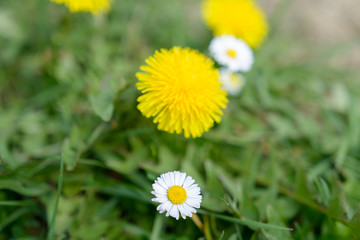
x=93, y=6
x=241, y=18
x=180, y=88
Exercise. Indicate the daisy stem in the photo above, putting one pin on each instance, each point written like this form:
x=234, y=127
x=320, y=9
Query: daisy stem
x=207, y=230
x=198, y=222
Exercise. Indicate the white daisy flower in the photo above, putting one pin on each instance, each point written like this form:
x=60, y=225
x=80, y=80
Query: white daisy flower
x=232, y=52
x=232, y=82
x=177, y=193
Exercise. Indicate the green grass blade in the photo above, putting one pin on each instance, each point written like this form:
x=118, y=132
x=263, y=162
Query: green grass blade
x=60, y=183
x=16, y=203
x=245, y=222
x=15, y=215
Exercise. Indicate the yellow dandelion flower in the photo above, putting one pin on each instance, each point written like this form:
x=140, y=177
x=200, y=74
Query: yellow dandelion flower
x=93, y=6
x=181, y=90
x=241, y=18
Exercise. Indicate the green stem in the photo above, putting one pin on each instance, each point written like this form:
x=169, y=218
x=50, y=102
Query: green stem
x=207, y=231
x=158, y=225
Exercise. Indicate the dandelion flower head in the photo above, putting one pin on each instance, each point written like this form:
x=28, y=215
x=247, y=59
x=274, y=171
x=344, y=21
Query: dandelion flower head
x=232, y=82
x=232, y=52
x=181, y=90
x=177, y=193
x=241, y=18
x=93, y=6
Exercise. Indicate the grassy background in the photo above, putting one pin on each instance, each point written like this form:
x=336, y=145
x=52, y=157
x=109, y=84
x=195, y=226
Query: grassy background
x=285, y=155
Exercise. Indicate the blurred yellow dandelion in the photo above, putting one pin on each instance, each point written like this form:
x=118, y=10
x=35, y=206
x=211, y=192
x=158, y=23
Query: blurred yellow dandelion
x=93, y=6
x=241, y=18
x=181, y=90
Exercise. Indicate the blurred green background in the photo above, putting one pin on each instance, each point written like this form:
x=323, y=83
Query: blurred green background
x=286, y=154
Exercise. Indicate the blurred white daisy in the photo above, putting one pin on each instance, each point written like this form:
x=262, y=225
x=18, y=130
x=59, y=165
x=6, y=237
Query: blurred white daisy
x=177, y=193
x=232, y=52
x=232, y=82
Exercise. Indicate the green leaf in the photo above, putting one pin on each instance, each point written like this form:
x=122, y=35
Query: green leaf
x=70, y=155
x=268, y=196
x=127, y=191
x=301, y=184
x=355, y=221
x=102, y=106
x=341, y=154
x=248, y=208
x=120, y=165
x=286, y=207
x=274, y=218
x=212, y=202
x=324, y=190
x=212, y=182
x=131, y=161
x=6, y=155
x=28, y=189
x=13, y=217
x=168, y=161
x=16, y=203
x=102, y=97
x=336, y=202
x=232, y=186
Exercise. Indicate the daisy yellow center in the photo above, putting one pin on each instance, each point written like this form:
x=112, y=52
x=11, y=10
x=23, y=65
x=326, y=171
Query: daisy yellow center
x=241, y=18
x=234, y=79
x=231, y=53
x=177, y=194
x=181, y=90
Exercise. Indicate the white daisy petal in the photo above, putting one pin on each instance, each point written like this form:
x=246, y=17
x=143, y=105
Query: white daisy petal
x=159, y=189
x=173, y=178
x=162, y=183
x=177, y=178
x=182, y=178
x=193, y=202
x=193, y=191
x=164, y=206
x=169, y=179
x=189, y=208
x=160, y=199
x=188, y=181
x=199, y=197
x=160, y=195
x=177, y=194
x=232, y=52
x=174, y=212
x=169, y=210
x=193, y=186
x=183, y=212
